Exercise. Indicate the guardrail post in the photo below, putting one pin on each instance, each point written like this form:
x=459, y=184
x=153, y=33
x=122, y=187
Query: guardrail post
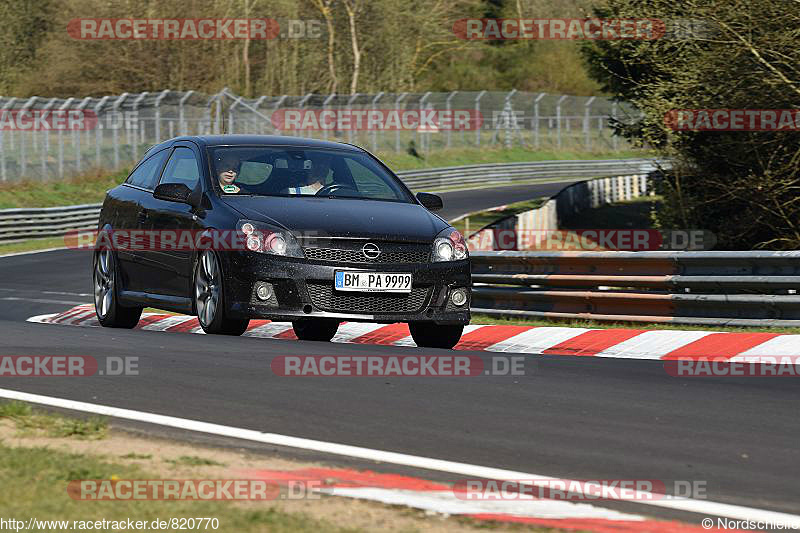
x=587, y=140
x=477, y=112
x=374, y=132
x=558, y=119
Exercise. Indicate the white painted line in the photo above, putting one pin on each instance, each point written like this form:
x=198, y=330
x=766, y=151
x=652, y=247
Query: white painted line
x=440, y=465
x=267, y=331
x=652, y=344
x=42, y=319
x=353, y=330
x=15, y=254
x=536, y=340
x=40, y=300
x=167, y=322
x=444, y=501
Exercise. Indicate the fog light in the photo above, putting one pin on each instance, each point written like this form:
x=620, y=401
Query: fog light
x=264, y=291
x=458, y=297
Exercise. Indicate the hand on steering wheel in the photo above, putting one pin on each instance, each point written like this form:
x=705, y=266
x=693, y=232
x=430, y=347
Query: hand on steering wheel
x=333, y=187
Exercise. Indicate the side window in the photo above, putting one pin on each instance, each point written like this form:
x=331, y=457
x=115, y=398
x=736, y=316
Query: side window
x=146, y=174
x=372, y=185
x=182, y=168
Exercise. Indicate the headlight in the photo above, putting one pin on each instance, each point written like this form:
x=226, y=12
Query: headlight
x=267, y=239
x=450, y=245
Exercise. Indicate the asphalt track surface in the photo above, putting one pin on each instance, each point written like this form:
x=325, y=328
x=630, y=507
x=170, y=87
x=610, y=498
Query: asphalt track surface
x=568, y=417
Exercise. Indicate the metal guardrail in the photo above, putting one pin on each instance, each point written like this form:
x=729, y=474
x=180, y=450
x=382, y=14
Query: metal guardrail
x=753, y=288
x=19, y=224
x=436, y=178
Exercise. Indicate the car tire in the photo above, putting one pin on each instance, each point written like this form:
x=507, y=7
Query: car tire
x=315, y=329
x=105, y=279
x=430, y=335
x=209, y=298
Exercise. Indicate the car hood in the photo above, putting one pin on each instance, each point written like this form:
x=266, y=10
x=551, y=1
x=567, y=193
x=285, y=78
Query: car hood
x=334, y=217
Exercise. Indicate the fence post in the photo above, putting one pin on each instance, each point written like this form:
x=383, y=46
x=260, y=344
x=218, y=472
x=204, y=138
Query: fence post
x=23, y=156
x=236, y=102
x=160, y=97
x=139, y=126
x=397, y=131
x=97, y=135
x=536, y=119
x=182, y=117
x=302, y=105
x=614, y=139
x=450, y=116
x=277, y=105
x=587, y=140
x=558, y=120
x=8, y=105
x=325, y=108
x=46, y=147
x=511, y=120
x=218, y=112
x=421, y=110
x=477, y=112
x=256, y=105
x=81, y=107
x=64, y=106
x=115, y=134
x=350, y=112
x=374, y=132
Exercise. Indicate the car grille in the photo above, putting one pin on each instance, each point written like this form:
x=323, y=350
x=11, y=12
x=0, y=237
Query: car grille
x=413, y=255
x=324, y=297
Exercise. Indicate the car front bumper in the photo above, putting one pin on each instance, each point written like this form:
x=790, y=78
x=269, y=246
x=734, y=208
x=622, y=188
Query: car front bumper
x=304, y=289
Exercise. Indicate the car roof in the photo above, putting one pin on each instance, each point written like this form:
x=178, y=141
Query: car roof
x=258, y=140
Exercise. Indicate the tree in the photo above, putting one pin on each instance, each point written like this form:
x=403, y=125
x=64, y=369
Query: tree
x=740, y=54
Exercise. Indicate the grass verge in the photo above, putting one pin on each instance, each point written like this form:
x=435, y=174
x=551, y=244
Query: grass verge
x=475, y=221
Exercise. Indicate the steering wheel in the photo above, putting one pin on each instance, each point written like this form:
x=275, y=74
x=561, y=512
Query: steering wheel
x=333, y=187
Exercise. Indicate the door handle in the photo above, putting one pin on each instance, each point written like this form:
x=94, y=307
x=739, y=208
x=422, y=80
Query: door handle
x=142, y=217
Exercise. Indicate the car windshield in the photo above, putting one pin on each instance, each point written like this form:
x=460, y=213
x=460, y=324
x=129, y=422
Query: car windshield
x=297, y=171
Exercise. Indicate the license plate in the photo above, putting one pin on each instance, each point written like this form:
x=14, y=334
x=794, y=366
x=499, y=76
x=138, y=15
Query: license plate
x=348, y=280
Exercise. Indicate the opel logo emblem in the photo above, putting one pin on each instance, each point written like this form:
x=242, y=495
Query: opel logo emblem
x=371, y=251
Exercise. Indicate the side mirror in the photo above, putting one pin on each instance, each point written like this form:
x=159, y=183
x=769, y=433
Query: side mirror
x=173, y=192
x=430, y=201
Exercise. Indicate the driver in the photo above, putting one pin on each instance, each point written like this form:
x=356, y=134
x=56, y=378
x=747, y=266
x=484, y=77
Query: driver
x=227, y=172
x=320, y=168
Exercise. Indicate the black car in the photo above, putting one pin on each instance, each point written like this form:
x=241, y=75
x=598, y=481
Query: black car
x=283, y=228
